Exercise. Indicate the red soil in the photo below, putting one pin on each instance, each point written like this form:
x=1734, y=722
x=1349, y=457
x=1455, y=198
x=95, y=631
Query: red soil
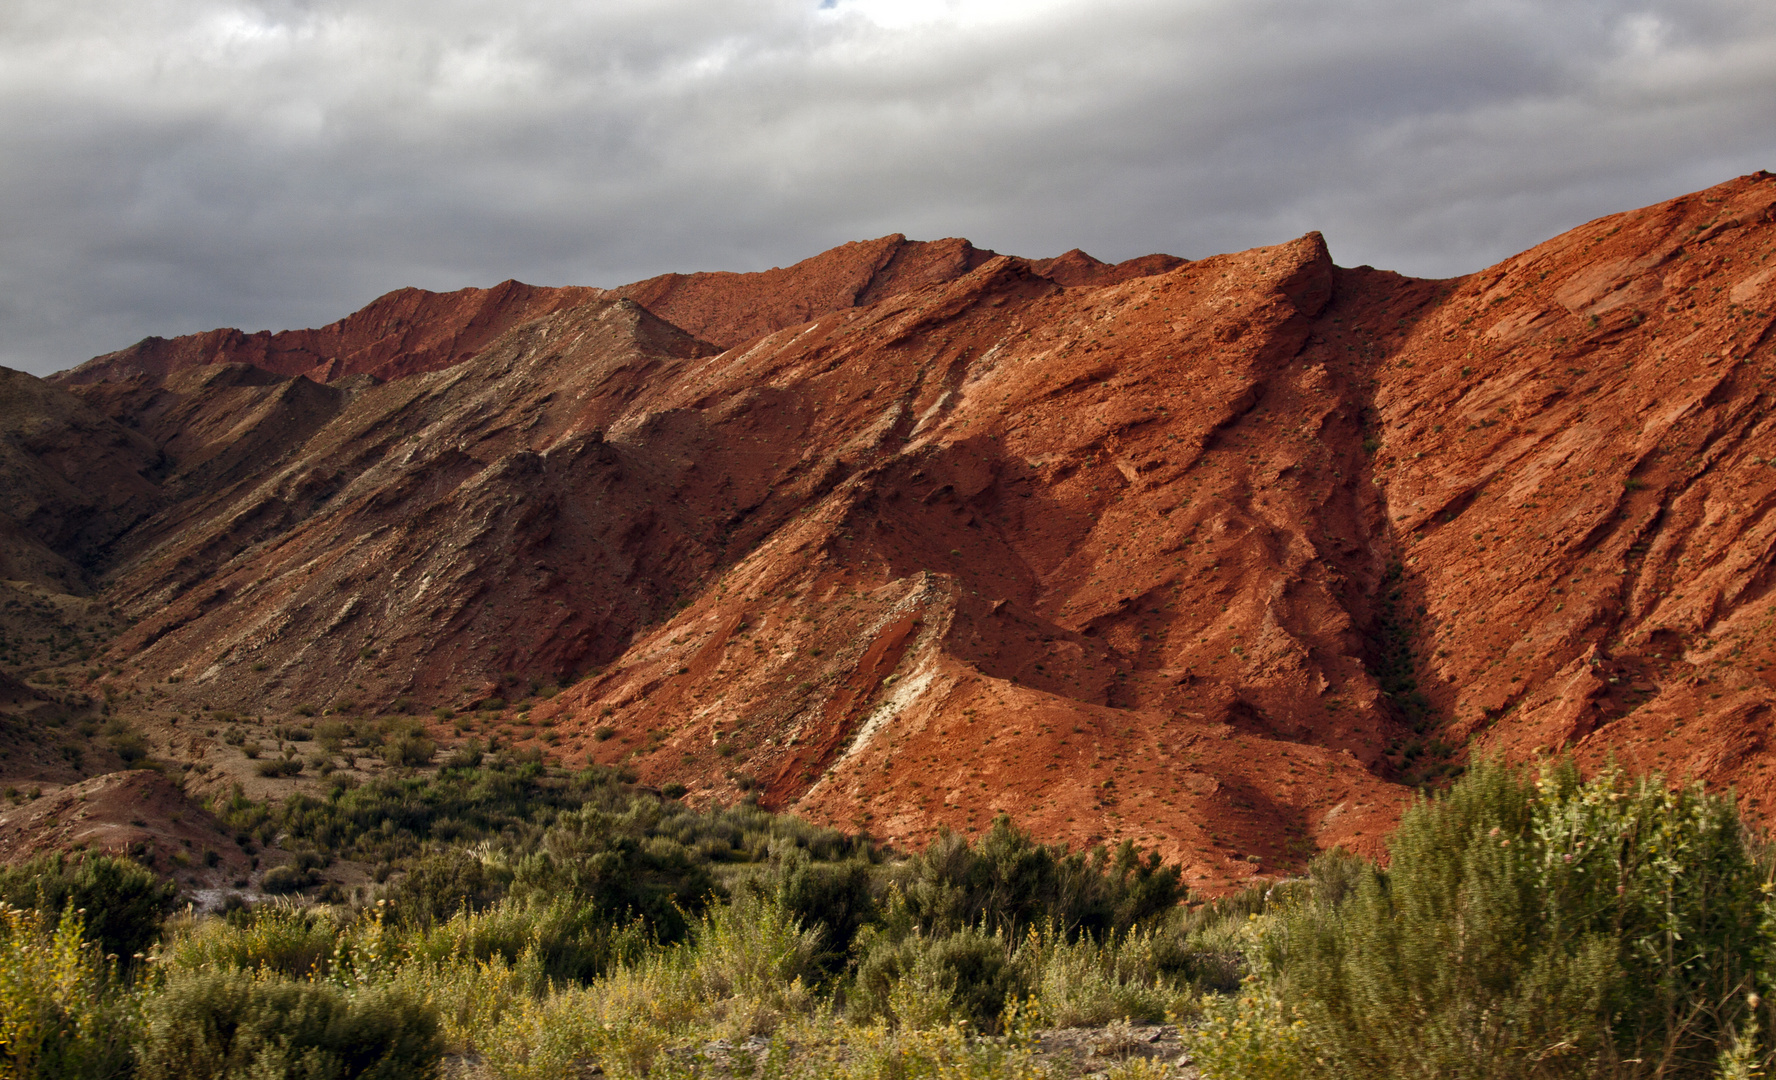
x=138, y=813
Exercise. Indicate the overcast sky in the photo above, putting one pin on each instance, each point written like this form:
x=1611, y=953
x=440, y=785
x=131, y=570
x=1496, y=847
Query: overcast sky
x=168, y=166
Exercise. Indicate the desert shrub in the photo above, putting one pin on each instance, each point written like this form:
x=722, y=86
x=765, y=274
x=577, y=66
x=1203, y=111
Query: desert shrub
x=559, y=939
x=60, y=1011
x=226, y=1024
x=753, y=949
x=1140, y=975
x=1544, y=927
x=1010, y=882
x=1393, y=662
x=439, y=886
x=408, y=750
x=468, y=755
x=511, y=802
x=837, y=899
x=622, y=1022
x=122, y=903
x=275, y=767
x=1333, y=877
x=743, y=972
x=1250, y=1036
x=396, y=817
x=129, y=746
x=927, y=981
x=280, y=880
x=1667, y=874
x=619, y=861
x=277, y=937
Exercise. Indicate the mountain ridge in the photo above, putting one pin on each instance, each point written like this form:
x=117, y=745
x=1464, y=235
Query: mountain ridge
x=1224, y=556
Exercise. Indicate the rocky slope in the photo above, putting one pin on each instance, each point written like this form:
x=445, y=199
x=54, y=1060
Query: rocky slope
x=405, y=332
x=1223, y=556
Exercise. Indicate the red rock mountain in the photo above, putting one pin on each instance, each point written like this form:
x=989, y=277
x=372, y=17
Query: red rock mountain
x=1223, y=556
x=403, y=333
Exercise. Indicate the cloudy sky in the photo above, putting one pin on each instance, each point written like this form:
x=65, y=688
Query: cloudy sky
x=168, y=166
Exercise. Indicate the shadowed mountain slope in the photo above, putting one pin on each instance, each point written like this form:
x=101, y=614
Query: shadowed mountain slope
x=402, y=333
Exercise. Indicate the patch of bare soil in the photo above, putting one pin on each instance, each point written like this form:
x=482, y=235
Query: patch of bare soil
x=140, y=814
x=1084, y=1053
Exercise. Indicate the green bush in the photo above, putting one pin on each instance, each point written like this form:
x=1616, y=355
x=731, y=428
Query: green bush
x=122, y=902
x=280, y=880
x=837, y=899
x=1250, y=1036
x=1142, y=975
x=619, y=862
x=409, y=750
x=469, y=755
x=1010, y=882
x=1530, y=925
x=511, y=802
x=1546, y=927
x=560, y=939
x=927, y=981
x=227, y=1024
x=275, y=767
x=439, y=886
x=129, y=746
x=752, y=948
x=277, y=936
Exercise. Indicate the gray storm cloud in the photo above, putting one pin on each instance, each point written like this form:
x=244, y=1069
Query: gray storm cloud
x=167, y=167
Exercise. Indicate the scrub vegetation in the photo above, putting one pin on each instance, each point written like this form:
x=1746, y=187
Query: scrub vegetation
x=1528, y=924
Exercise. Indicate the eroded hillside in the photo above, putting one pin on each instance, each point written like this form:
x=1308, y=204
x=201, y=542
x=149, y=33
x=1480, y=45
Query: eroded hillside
x=1223, y=556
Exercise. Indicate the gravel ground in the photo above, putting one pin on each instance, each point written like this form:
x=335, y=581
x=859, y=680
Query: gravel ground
x=1082, y=1053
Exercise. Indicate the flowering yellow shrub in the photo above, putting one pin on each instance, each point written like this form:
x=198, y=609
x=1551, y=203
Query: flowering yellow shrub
x=1248, y=1036
x=58, y=1015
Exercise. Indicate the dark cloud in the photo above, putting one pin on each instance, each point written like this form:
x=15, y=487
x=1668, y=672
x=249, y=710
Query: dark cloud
x=172, y=165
